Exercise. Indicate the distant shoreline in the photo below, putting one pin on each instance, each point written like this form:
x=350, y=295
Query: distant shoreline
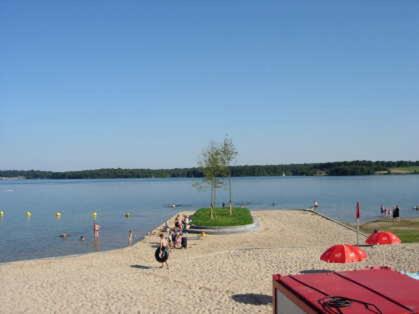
x=344, y=168
x=264, y=176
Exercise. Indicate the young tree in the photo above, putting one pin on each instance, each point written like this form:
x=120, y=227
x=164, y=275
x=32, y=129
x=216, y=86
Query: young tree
x=228, y=154
x=213, y=166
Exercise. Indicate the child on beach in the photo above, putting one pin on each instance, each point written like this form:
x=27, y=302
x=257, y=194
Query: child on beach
x=164, y=249
x=178, y=240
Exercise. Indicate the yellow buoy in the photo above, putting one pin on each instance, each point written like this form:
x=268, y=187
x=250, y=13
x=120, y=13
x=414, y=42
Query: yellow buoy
x=58, y=214
x=94, y=215
x=1, y=213
x=28, y=213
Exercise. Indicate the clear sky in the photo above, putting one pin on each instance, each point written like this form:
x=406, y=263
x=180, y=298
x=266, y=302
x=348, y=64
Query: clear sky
x=90, y=84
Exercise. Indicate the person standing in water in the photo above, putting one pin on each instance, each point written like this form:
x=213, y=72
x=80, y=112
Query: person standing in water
x=130, y=237
x=96, y=229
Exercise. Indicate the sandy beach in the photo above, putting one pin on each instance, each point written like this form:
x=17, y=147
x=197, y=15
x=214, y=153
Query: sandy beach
x=218, y=274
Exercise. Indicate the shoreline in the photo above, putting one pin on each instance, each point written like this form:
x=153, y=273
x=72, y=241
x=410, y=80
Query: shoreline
x=155, y=229
x=8, y=179
x=218, y=274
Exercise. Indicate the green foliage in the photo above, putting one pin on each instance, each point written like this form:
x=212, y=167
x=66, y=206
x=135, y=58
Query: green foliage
x=228, y=152
x=212, y=162
x=213, y=167
x=222, y=217
x=344, y=168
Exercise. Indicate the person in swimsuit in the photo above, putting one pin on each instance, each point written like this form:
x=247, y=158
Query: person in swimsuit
x=164, y=248
x=96, y=229
x=130, y=237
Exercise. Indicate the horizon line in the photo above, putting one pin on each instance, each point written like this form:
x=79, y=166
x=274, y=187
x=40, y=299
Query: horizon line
x=197, y=167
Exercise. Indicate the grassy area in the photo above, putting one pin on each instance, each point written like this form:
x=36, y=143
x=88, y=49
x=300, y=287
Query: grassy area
x=404, y=170
x=222, y=218
x=407, y=229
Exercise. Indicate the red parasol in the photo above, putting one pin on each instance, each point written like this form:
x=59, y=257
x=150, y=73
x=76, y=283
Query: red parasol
x=382, y=237
x=343, y=253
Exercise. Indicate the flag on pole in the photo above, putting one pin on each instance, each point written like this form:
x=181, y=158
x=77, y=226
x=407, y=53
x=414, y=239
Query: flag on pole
x=358, y=211
x=357, y=215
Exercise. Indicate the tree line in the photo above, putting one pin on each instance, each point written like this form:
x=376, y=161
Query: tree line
x=345, y=168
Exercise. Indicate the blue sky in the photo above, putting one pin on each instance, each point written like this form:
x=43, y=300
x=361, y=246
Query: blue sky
x=91, y=84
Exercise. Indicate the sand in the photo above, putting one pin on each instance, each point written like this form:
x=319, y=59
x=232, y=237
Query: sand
x=219, y=274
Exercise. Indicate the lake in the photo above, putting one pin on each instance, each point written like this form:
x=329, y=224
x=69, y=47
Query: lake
x=147, y=200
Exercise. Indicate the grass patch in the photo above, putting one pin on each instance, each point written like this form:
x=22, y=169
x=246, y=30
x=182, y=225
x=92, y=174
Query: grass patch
x=222, y=218
x=407, y=229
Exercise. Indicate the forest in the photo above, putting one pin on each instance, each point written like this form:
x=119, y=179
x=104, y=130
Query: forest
x=344, y=168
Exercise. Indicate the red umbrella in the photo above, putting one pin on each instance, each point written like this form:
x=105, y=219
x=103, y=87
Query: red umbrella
x=343, y=253
x=382, y=237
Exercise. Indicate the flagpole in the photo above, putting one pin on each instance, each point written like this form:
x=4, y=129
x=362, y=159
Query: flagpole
x=357, y=215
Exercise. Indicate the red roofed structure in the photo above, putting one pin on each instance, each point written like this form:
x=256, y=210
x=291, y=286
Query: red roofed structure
x=375, y=290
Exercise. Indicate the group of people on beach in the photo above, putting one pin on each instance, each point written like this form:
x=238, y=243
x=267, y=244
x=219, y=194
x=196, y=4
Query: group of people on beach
x=173, y=238
x=390, y=212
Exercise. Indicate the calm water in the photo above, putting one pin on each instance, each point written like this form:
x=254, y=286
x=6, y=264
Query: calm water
x=147, y=200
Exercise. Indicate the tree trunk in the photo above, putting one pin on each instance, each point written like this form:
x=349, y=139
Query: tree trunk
x=213, y=182
x=229, y=187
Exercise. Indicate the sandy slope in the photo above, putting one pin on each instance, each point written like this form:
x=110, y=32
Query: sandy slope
x=219, y=274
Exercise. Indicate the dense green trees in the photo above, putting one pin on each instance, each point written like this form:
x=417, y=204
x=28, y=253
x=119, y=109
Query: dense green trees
x=344, y=168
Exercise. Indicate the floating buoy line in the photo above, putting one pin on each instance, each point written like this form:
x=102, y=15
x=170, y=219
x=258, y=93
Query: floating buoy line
x=58, y=214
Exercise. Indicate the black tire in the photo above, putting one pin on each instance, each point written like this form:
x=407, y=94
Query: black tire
x=164, y=256
x=185, y=242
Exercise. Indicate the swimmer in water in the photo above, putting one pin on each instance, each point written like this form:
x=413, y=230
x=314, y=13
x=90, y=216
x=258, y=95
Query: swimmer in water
x=64, y=235
x=82, y=238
